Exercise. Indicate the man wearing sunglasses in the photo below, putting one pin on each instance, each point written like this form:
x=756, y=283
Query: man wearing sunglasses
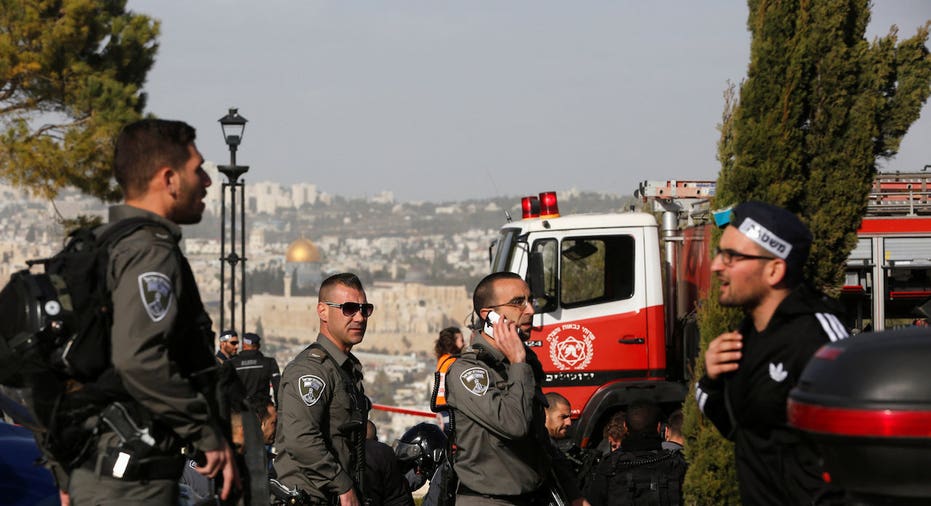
x=229, y=346
x=503, y=448
x=322, y=407
x=750, y=371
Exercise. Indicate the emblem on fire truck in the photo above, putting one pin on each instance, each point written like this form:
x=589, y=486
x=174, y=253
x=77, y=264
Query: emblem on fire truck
x=571, y=346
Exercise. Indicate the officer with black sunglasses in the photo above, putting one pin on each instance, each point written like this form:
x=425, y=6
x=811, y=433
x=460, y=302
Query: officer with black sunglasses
x=322, y=405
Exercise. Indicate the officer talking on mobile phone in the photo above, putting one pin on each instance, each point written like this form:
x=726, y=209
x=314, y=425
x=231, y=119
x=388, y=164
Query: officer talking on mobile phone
x=502, y=445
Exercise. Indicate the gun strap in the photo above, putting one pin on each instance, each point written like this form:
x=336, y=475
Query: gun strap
x=358, y=439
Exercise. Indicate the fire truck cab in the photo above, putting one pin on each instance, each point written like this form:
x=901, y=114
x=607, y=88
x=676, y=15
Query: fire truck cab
x=600, y=328
x=616, y=294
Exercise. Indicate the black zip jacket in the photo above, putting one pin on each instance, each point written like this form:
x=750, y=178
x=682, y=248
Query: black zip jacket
x=257, y=373
x=775, y=463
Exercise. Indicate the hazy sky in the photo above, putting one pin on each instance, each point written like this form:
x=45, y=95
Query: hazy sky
x=441, y=100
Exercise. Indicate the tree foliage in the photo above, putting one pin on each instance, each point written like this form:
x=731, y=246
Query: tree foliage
x=71, y=74
x=820, y=105
x=712, y=477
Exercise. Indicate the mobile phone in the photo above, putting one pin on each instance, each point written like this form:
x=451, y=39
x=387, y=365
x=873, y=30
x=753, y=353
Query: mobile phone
x=490, y=319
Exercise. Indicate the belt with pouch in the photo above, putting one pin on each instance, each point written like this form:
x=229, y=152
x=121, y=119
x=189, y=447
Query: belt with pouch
x=122, y=464
x=135, y=457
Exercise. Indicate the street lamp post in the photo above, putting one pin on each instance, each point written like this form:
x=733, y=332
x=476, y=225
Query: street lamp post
x=233, y=126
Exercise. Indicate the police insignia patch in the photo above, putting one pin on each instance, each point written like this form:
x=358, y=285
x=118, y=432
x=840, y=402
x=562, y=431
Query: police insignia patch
x=156, y=293
x=475, y=380
x=310, y=388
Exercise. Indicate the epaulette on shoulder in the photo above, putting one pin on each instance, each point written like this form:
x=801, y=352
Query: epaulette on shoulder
x=479, y=353
x=472, y=351
x=159, y=232
x=142, y=230
x=154, y=233
x=316, y=352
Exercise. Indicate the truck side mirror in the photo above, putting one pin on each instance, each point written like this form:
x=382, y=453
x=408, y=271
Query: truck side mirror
x=542, y=302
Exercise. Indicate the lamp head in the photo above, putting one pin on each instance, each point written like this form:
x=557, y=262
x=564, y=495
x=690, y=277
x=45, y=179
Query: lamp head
x=233, y=126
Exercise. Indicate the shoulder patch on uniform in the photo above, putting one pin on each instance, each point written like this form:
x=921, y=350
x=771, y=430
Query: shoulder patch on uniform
x=310, y=388
x=156, y=293
x=475, y=380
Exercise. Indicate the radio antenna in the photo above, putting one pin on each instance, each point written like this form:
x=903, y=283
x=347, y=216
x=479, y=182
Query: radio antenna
x=507, y=214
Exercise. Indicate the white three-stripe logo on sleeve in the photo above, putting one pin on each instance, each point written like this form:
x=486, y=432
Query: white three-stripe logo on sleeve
x=701, y=397
x=833, y=327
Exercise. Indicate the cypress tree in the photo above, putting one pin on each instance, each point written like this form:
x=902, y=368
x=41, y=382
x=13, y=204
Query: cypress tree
x=712, y=478
x=819, y=106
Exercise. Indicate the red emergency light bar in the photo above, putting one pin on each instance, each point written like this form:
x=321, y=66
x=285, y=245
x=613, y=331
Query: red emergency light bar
x=530, y=207
x=859, y=422
x=549, y=208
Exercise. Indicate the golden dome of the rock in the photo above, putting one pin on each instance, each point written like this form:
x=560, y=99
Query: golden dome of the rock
x=302, y=251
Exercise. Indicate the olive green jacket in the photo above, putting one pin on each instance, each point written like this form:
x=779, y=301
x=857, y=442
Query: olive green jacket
x=317, y=417
x=500, y=422
x=146, y=272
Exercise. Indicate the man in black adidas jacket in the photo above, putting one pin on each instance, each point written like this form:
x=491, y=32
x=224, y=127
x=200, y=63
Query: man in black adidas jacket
x=750, y=371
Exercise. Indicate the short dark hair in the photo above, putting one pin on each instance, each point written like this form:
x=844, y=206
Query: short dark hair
x=674, y=423
x=554, y=399
x=485, y=292
x=446, y=343
x=344, y=278
x=643, y=417
x=147, y=145
x=261, y=410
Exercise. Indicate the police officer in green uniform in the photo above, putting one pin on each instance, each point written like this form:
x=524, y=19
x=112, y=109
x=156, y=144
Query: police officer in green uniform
x=503, y=450
x=160, y=333
x=322, y=407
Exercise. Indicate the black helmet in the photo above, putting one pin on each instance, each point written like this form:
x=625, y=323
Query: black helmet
x=422, y=446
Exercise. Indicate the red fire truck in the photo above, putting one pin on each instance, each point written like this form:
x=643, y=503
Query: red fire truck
x=616, y=294
x=888, y=277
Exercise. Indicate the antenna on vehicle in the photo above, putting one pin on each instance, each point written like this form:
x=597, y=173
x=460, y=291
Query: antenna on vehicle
x=507, y=214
